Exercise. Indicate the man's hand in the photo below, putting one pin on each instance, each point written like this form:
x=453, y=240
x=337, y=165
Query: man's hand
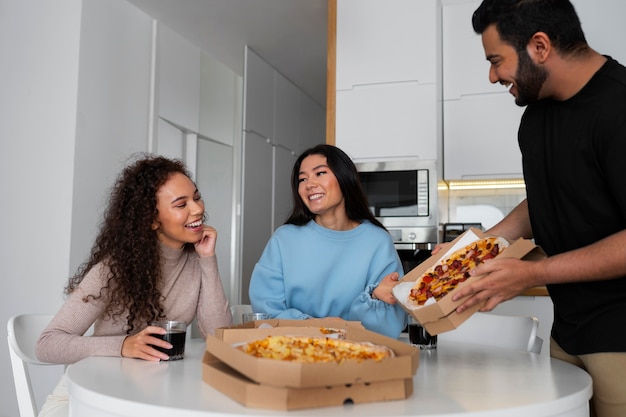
x=504, y=278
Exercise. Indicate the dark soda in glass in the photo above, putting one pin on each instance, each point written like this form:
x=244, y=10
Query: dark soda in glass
x=177, y=339
x=418, y=336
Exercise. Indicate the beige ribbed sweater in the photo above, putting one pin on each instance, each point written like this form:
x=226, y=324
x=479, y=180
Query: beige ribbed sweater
x=191, y=287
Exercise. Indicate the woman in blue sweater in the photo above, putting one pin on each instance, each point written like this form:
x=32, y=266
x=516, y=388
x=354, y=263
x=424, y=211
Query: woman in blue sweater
x=331, y=258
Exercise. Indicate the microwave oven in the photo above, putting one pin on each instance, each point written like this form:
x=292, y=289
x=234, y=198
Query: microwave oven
x=402, y=195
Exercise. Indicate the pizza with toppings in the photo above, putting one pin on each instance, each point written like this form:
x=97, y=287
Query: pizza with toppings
x=309, y=349
x=333, y=332
x=449, y=272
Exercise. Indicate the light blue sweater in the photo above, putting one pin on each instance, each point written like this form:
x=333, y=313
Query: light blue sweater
x=310, y=271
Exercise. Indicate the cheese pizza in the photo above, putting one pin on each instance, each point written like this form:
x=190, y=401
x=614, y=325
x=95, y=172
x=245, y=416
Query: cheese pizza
x=449, y=272
x=309, y=349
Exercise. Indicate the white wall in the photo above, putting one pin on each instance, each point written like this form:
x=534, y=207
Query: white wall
x=78, y=78
x=39, y=74
x=112, y=108
x=74, y=101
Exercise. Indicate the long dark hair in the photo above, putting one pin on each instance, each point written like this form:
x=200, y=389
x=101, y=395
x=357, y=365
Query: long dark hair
x=345, y=171
x=127, y=245
x=518, y=20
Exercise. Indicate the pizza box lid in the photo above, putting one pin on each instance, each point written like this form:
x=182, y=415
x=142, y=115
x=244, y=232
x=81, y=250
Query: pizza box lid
x=441, y=316
x=252, y=394
x=314, y=324
x=298, y=375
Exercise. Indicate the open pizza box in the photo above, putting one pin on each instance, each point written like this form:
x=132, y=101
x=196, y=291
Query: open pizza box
x=438, y=317
x=222, y=346
x=249, y=393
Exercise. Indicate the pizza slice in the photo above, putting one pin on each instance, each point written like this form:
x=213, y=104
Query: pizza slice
x=450, y=271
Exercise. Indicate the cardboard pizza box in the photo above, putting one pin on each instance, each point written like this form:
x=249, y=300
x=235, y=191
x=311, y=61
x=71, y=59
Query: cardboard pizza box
x=222, y=346
x=252, y=394
x=441, y=316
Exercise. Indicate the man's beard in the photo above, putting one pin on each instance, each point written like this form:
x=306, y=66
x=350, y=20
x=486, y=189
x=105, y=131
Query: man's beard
x=530, y=79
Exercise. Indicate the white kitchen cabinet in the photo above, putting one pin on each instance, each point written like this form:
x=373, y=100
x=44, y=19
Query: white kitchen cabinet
x=480, y=119
x=465, y=68
x=220, y=89
x=387, y=121
x=279, y=122
x=215, y=182
x=312, y=126
x=387, y=79
x=286, y=112
x=299, y=122
x=386, y=41
x=480, y=137
x=603, y=24
x=258, y=95
x=256, y=204
x=283, y=201
x=178, y=79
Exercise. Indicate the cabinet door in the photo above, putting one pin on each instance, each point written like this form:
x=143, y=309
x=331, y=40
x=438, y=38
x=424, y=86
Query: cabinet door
x=179, y=79
x=286, y=112
x=215, y=182
x=258, y=95
x=312, y=126
x=219, y=97
x=390, y=120
x=603, y=24
x=480, y=119
x=465, y=68
x=386, y=41
x=284, y=160
x=170, y=140
x=256, y=203
x=480, y=137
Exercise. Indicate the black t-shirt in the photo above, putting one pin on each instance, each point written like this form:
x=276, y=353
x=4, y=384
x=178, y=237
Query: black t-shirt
x=574, y=158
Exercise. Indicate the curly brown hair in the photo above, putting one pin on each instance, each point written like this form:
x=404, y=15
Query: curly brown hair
x=126, y=243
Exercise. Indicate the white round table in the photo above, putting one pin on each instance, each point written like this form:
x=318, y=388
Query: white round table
x=453, y=380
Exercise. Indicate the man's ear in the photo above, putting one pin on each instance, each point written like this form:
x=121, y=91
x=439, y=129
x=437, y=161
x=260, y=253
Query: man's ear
x=539, y=47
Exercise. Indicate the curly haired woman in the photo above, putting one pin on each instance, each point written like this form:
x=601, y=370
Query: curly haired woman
x=153, y=259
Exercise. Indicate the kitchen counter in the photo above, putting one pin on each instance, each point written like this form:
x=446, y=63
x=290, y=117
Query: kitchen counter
x=536, y=291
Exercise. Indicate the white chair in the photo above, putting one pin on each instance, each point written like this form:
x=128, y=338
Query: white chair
x=23, y=332
x=511, y=332
x=239, y=309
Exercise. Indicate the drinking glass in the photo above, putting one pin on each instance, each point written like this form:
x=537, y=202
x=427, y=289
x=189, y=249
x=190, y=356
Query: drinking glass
x=418, y=336
x=176, y=335
x=246, y=317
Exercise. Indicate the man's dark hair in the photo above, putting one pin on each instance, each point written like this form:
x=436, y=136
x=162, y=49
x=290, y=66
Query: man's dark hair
x=518, y=20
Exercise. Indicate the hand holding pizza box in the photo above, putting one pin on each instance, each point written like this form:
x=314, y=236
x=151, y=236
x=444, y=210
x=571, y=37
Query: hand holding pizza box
x=425, y=292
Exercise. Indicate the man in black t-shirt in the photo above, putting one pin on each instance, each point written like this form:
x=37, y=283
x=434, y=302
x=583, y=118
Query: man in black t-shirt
x=573, y=141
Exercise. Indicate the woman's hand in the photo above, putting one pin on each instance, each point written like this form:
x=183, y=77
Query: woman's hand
x=384, y=290
x=138, y=345
x=206, y=245
x=438, y=247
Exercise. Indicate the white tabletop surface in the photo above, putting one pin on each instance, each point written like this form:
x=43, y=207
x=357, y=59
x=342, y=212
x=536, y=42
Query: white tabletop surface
x=452, y=380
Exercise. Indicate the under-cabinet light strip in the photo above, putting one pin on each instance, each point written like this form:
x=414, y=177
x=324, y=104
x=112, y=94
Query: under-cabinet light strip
x=483, y=184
